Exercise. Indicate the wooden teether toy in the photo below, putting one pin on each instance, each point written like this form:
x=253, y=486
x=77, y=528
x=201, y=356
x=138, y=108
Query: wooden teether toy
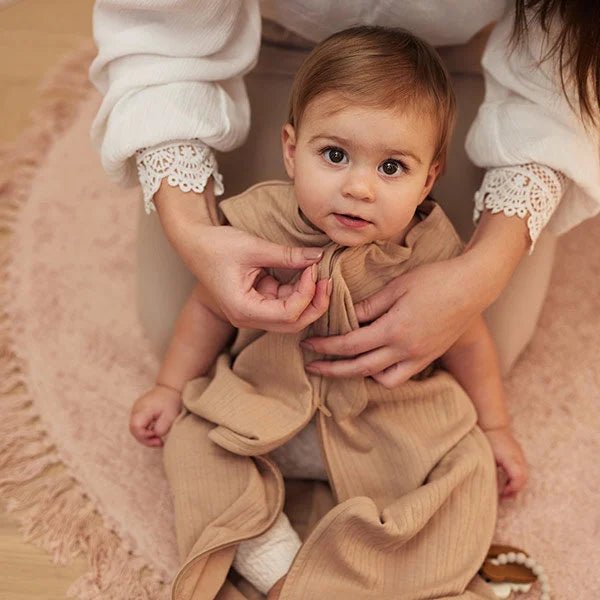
x=509, y=569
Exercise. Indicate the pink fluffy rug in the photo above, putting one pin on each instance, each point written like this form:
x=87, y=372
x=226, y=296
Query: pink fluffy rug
x=74, y=358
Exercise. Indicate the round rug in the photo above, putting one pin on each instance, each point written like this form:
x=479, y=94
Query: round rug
x=75, y=358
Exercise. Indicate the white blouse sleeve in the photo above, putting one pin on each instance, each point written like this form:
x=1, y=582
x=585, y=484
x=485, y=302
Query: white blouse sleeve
x=531, y=140
x=170, y=70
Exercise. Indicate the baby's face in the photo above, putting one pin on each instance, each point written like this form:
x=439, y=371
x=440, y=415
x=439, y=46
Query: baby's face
x=359, y=172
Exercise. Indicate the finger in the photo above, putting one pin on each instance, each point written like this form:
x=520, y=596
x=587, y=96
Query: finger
x=268, y=254
x=155, y=441
x=285, y=290
x=503, y=479
x=270, y=288
x=361, y=366
x=139, y=423
x=147, y=437
x=143, y=437
x=398, y=373
x=377, y=304
x=507, y=492
x=313, y=311
x=163, y=424
x=317, y=307
x=308, y=277
x=259, y=311
x=303, y=285
x=285, y=310
x=302, y=291
x=267, y=286
x=516, y=482
x=353, y=343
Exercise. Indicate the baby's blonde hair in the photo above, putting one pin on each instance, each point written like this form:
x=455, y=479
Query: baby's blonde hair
x=380, y=67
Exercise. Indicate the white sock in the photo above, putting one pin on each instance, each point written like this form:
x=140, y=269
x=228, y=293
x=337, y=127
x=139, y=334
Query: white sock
x=265, y=559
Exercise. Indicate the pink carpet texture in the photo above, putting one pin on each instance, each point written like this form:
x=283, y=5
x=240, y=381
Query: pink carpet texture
x=75, y=358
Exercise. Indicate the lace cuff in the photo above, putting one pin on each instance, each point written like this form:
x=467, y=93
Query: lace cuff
x=521, y=190
x=186, y=163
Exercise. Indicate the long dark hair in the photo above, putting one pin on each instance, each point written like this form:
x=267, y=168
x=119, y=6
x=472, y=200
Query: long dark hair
x=577, y=45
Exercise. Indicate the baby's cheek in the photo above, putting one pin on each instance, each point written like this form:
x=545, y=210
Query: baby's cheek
x=303, y=193
x=311, y=203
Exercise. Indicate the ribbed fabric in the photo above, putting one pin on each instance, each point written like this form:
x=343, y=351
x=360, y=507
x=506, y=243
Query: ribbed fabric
x=413, y=477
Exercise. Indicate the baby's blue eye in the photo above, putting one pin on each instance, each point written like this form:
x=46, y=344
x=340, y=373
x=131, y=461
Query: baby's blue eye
x=390, y=167
x=334, y=155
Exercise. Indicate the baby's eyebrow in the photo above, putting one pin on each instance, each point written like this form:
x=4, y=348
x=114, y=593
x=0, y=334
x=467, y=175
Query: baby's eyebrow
x=348, y=144
x=334, y=138
x=391, y=152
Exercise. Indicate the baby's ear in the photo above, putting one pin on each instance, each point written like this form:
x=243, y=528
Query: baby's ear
x=288, y=147
x=432, y=175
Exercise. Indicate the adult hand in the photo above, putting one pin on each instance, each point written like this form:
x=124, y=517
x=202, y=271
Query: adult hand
x=231, y=265
x=423, y=312
x=418, y=316
x=233, y=272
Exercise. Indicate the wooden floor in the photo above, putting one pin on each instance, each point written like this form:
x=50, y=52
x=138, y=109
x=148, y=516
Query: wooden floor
x=34, y=34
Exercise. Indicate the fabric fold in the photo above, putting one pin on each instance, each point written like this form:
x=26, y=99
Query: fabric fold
x=413, y=479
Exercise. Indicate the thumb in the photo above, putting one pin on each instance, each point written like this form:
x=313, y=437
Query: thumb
x=380, y=302
x=163, y=423
x=268, y=254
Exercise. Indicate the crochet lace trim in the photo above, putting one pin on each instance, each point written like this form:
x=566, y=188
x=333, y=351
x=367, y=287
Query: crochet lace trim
x=186, y=164
x=524, y=190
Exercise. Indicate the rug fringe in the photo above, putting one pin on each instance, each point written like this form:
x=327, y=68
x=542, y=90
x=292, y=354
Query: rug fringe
x=54, y=512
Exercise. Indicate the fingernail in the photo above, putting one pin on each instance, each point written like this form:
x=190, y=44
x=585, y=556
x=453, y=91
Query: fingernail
x=312, y=254
x=314, y=271
x=329, y=286
x=312, y=369
x=307, y=345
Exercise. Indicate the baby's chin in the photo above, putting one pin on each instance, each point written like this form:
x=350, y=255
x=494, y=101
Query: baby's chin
x=336, y=234
x=349, y=238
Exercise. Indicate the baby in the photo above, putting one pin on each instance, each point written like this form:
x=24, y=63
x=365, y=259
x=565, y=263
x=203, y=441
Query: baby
x=371, y=114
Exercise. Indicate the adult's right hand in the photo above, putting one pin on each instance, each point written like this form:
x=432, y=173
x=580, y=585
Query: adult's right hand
x=231, y=265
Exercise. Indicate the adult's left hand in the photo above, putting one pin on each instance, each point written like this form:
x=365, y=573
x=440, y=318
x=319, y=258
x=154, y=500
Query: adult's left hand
x=415, y=319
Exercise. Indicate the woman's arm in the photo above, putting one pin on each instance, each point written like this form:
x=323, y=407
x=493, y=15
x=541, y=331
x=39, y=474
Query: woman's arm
x=529, y=134
x=173, y=71
x=492, y=254
x=229, y=264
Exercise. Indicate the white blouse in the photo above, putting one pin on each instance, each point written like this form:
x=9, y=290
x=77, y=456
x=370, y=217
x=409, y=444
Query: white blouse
x=163, y=112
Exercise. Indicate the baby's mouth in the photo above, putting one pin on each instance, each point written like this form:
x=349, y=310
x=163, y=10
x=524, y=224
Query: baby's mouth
x=352, y=221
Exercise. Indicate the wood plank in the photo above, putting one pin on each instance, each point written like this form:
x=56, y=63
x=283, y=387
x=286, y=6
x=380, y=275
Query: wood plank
x=34, y=35
x=27, y=572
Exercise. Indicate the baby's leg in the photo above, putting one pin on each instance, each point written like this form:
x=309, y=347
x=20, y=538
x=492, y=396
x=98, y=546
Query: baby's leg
x=265, y=559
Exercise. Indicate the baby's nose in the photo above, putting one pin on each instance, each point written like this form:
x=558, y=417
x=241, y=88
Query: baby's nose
x=358, y=186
